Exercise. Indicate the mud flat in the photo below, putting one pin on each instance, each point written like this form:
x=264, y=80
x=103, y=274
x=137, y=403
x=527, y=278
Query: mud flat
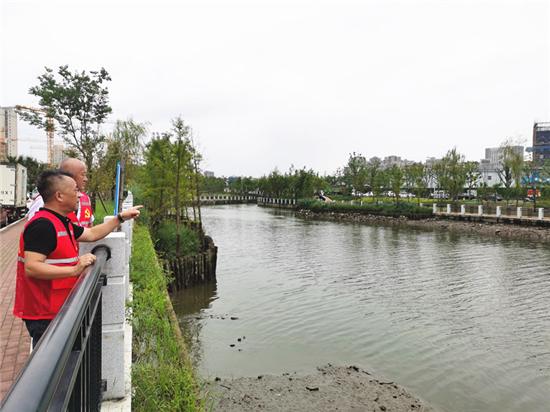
x=329, y=388
x=535, y=233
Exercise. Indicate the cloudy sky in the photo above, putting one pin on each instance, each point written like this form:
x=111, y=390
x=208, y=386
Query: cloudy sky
x=303, y=83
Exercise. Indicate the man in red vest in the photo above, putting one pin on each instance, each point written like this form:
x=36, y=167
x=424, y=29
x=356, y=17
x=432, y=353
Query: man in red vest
x=83, y=214
x=48, y=263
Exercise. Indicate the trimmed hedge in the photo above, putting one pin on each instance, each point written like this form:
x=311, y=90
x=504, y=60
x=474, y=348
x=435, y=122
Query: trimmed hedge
x=406, y=209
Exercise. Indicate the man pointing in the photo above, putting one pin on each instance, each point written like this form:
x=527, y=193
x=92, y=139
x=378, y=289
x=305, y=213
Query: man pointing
x=48, y=263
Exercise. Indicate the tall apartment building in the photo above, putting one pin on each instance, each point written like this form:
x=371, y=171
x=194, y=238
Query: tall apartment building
x=8, y=123
x=495, y=154
x=541, y=141
x=58, y=155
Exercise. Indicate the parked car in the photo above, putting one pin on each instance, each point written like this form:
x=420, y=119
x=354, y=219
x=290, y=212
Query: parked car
x=406, y=195
x=439, y=194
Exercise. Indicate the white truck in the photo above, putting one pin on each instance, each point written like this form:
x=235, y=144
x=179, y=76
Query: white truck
x=13, y=190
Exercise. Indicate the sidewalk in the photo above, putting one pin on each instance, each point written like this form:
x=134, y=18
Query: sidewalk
x=15, y=341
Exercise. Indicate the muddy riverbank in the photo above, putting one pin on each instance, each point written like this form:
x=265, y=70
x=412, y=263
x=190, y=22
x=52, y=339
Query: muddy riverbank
x=534, y=233
x=330, y=388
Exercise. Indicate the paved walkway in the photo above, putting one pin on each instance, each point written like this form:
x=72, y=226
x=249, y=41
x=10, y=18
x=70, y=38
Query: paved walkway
x=15, y=341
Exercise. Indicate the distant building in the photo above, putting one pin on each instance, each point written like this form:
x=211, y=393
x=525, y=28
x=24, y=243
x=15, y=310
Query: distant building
x=494, y=155
x=488, y=172
x=208, y=174
x=8, y=123
x=58, y=155
x=541, y=141
x=389, y=161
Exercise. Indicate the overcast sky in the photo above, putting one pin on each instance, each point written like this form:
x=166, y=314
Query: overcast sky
x=271, y=84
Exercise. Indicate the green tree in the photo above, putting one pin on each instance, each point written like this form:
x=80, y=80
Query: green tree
x=212, y=185
x=79, y=103
x=156, y=177
x=413, y=176
x=452, y=175
x=372, y=170
x=381, y=183
x=183, y=170
x=356, y=172
x=275, y=184
x=512, y=165
x=395, y=180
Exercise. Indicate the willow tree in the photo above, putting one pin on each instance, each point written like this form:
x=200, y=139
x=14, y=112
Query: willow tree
x=452, y=173
x=512, y=164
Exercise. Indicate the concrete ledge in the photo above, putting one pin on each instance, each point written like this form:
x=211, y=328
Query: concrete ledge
x=124, y=404
x=113, y=338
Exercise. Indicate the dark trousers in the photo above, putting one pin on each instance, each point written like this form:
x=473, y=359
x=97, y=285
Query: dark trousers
x=36, y=328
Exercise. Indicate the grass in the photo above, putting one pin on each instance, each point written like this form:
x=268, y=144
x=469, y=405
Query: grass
x=162, y=375
x=99, y=212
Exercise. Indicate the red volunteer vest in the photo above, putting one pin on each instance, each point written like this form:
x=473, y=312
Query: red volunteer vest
x=85, y=210
x=38, y=298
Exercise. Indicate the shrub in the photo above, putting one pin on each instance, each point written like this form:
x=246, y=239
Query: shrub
x=166, y=239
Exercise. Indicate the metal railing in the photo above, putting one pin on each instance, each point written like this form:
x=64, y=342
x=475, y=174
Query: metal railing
x=63, y=373
x=505, y=211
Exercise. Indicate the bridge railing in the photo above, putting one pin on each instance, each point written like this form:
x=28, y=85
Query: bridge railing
x=64, y=370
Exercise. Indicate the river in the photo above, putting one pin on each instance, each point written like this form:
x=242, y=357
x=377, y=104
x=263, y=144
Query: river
x=460, y=320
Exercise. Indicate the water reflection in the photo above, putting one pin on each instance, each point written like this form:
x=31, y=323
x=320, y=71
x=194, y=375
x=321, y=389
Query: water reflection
x=460, y=319
x=188, y=305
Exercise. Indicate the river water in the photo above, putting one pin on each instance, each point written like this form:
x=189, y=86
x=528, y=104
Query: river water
x=461, y=320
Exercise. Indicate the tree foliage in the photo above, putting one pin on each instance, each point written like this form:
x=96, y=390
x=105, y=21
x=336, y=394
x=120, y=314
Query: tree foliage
x=355, y=172
x=452, y=173
x=79, y=103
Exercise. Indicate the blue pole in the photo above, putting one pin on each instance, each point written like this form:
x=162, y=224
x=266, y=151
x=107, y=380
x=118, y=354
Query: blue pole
x=117, y=187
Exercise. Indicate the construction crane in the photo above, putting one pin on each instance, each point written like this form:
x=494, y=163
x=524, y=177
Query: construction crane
x=49, y=134
x=49, y=129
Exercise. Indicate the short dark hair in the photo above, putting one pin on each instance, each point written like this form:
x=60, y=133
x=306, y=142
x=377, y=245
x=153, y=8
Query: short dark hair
x=48, y=182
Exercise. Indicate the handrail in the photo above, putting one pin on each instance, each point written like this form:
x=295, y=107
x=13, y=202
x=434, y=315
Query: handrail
x=46, y=381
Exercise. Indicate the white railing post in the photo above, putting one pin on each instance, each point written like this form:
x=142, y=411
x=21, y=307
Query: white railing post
x=462, y=209
x=115, y=294
x=480, y=210
x=113, y=311
x=448, y=209
x=519, y=212
x=541, y=213
x=434, y=208
x=499, y=211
